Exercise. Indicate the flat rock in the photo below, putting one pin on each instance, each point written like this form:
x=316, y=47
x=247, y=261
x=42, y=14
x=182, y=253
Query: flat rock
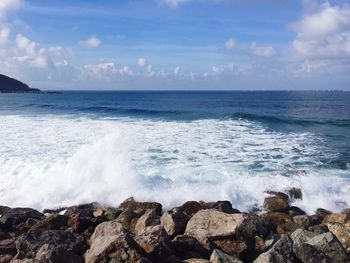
x=280, y=252
x=111, y=242
x=174, y=222
x=210, y=224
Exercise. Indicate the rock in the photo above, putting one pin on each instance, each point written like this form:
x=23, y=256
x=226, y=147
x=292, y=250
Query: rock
x=84, y=210
x=276, y=203
x=144, y=260
x=295, y=193
x=223, y=206
x=295, y=211
x=274, y=219
x=288, y=227
x=149, y=218
x=52, y=222
x=14, y=217
x=318, y=229
x=155, y=242
x=231, y=247
x=302, y=220
x=322, y=212
x=196, y=260
x=342, y=232
x=260, y=246
x=140, y=207
x=315, y=220
x=335, y=218
x=220, y=257
x=311, y=247
x=111, y=242
x=191, y=207
x=112, y=213
x=280, y=252
x=4, y=209
x=128, y=219
x=57, y=255
x=83, y=224
x=54, y=211
x=212, y=224
x=29, y=243
x=187, y=247
x=174, y=222
x=8, y=247
x=5, y=258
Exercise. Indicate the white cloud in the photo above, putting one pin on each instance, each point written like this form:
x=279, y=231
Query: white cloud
x=263, y=51
x=176, y=70
x=4, y=35
x=141, y=62
x=172, y=3
x=7, y=6
x=230, y=44
x=92, y=42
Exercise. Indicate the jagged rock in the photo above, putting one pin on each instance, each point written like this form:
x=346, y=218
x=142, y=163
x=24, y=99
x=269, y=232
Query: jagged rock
x=149, y=218
x=144, y=260
x=4, y=209
x=111, y=242
x=322, y=212
x=220, y=257
x=191, y=207
x=155, y=242
x=280, y=252
x=15, y=216
x=84, y=210
x=83, y=224
x=212, y=224
x=276, y=203
x=231, y=247
x=295, y=193
x=128, y=219
x=260, y=245
x=112, y=213
x=302, y=220
x=223, y=206
x=336, y=218
x=274, y=219
x=187, y=247
x=342, y=232
x=174, y=222
x=54, y=254
x=29, y=243
x=140, y=207
x=52, y=222
x=8, y=246
x=311, y=247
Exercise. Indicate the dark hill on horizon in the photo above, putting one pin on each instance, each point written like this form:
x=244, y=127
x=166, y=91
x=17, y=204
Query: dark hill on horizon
x=10, y=85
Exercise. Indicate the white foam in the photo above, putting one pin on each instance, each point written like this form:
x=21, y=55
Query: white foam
x=55, y=161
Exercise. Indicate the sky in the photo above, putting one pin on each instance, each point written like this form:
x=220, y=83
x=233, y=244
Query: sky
x=176, y=44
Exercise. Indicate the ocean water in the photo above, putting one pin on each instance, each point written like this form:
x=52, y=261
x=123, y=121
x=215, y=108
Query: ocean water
x=75, y=147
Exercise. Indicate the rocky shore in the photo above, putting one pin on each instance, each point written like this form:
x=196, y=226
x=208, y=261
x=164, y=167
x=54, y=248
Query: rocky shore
x=193, y=232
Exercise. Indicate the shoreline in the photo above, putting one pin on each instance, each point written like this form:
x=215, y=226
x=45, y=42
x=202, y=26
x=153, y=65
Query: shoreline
x=137, y=231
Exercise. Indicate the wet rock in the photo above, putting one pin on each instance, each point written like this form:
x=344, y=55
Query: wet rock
x=302, y=220
x=274, y=219
x=212, y=224
x=52, y=222
x=220, y=257
x=342, y=232
x=14, y=217
x=187, y=247
x=149, y=218
x=311, y=247
x=295, y=193
x=174, y=222
x=111, y=242
x=322, y=212
x=231, y=247
x=29, y=243
x=140, y=207
x=295, y=211
x=280, y=252
x=276, y=203
x=155, y=242
x=84, y=210
x=191, y=207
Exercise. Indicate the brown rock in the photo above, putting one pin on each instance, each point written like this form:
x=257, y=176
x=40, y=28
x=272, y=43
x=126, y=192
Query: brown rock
x=196, y=260
x=128, y=219
x=5, y=258
x=302, y=220
x=52, y=222
x=174, y=222
x=335, y=218
x=149, y=218
x=223, y=206
x=322, y=212
x=209, y=224
x=8, y=247
x=84, y=210
x=155, y=242
x=187, y=247
x=274, y=219
x=231, y=247
x=342, y=232
x=287, y=228
x=140, y=207
x=276, y=203
x=295, y=193
x=13, y=218
x=191, y=207
x=111, y=242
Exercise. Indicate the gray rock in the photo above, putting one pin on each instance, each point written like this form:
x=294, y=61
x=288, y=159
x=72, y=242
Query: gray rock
x=110, y=242
x=12, y=218
x=220, y=257
x=280, y=252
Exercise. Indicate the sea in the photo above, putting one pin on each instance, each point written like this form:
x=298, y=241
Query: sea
x=73, y=147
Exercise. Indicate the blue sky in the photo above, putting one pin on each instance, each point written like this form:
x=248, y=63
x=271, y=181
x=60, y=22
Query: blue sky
x=176, y=44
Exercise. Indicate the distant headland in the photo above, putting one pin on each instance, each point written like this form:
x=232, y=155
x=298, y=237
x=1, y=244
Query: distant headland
x=10, y=85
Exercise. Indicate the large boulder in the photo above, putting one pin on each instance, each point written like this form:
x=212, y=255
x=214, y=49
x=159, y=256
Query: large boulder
x=155, y=242
x=29, y=243
x=209, y=224
x=342, y=232
x=280, y=252
x=191, y=207
x=277, y=203
x=140, y=207
x=312, y=247
x=174, y=222
x=111, y=242
x=12, y=218
x=336, y=218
